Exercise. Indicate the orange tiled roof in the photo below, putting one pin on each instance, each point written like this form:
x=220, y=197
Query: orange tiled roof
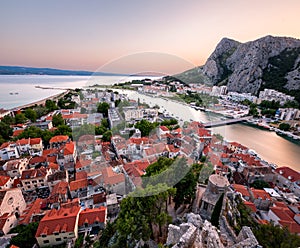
x=60, y=220
x=78, y=184
x=59, y=139
x=111, y=177
x=34, y=173
x=90, y=216
x=251, y=205
x=17, y=133
x=32, y=208
x=242, y=189
x=288, y=173
x=69, y=148
x=260, y=193
x=35, y=141
x=4, y=180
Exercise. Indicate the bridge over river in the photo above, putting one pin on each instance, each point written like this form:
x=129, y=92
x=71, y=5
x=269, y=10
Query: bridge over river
x=226, y=122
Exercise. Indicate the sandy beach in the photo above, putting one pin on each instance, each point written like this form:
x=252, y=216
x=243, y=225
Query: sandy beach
x=43, y=101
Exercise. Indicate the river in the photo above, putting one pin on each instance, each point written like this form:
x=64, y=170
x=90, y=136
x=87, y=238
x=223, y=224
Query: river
x=267, y=144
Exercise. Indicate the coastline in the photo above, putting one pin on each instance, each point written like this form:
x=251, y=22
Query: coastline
x=39, y=102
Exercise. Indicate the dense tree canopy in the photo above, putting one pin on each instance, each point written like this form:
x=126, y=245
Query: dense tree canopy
x=145, y=127
x=20, y=118
x=57, y=120
x=103, y=108
x=26, y=235
x=30, y=114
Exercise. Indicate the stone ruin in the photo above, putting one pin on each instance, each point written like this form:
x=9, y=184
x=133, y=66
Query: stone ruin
x=198, y=234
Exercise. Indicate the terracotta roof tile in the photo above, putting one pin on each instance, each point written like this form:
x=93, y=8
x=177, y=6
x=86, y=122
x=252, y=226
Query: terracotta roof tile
x=90, y=216
x=65, y=217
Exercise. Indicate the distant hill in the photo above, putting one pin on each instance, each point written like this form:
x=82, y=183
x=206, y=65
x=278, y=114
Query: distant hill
x=268, y=62
x=19, y=70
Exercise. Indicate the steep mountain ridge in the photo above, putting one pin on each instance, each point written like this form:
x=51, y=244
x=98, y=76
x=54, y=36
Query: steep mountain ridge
x=272, y=62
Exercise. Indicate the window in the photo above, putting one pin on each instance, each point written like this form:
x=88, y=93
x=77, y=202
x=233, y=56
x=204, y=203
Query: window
x=56, y=233
x=58, y=239
x=205, y=206
x=46, y=241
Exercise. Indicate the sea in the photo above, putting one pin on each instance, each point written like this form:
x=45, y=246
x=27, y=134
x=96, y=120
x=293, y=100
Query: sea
x=17, y=90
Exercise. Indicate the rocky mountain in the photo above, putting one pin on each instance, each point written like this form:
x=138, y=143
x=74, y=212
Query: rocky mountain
x=268, y=62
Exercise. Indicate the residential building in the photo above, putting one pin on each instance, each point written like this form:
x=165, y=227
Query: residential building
x=58, y=226
x=92, y=219
x=8, y=151
x=35, y=178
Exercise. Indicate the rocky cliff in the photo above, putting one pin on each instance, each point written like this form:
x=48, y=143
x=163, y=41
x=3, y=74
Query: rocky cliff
x=268, y=62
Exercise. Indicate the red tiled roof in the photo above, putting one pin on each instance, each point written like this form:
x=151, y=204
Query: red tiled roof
x=251, y=205
x=37, y=159
x=17, y=133
x=75, y=116
x=35, y=141
x=172, y=148
x=63, y=219
x=53, y=166
x=90, y=216
x=32, y=208
x=111, y=177
x=78, y=184
x=260, y=193
x=288, y=173
x=242, y=189
x=60, y=188
x=59, y=139
x=69, y=148
x=34, y=173
x=81, y=175
x=22, y=142
x=164, y=128
x=204, y=132
x=4, y=180
x=82, y=163
x=236, y=144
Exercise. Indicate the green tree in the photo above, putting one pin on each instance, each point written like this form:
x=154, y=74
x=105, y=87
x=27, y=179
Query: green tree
x=31, y=132
x=260, y=184
x=5, y=130
x=284, y=126
x=145, y=215
x=105, y=123
x=20, y=118
x=57, y=120
x=145, y=127
x=186, y=188
x=31, y=114
x=8, y=120
x=26, y=235
x=103, y=108
x=217, y=211
x=51, y=105
x=63, y=130
x=107, y=136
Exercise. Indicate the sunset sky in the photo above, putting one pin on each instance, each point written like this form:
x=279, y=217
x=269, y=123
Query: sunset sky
x=113, y=35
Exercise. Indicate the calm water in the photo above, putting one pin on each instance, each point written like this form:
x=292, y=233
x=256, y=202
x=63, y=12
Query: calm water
x=268, y=145
x=24, y=85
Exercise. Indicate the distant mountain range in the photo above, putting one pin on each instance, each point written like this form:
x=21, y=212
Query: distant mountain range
x=19, y=70
x=268, y=62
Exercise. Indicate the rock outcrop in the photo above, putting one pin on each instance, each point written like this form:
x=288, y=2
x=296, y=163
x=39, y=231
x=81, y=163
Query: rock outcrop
x=247, y=67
